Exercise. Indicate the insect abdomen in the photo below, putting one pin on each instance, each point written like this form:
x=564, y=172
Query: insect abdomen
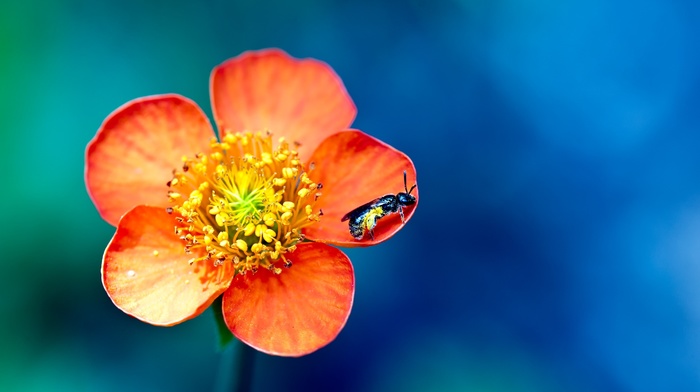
x=366, y=221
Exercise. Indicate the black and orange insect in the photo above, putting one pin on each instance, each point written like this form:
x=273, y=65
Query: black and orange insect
x=364, y=218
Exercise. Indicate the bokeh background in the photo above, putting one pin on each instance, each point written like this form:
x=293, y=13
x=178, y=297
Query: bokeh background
x=557, y=242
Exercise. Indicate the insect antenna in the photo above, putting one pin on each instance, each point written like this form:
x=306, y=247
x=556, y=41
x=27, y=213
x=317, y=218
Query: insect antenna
x=404, y=184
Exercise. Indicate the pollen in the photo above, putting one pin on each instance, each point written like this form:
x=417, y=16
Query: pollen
x=245, y=202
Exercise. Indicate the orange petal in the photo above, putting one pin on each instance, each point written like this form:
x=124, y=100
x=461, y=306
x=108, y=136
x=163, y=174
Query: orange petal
x=298, y=311
x=302, y=100
x=131, y=158
x=354, y=169
x=147, y=274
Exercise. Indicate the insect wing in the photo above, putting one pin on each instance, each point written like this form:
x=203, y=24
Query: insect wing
x=358, y=210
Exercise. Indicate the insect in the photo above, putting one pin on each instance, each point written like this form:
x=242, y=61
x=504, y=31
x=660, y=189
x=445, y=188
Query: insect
x=364, y=218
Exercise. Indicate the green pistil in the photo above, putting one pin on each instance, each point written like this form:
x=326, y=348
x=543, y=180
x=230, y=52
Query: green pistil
x=246, y=208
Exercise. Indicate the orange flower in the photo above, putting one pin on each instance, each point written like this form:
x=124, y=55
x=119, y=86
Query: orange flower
x=198, y=217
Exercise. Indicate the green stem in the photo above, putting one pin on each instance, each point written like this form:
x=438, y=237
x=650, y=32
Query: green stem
x=241, y=378
x=244, y=368
x=236, y=369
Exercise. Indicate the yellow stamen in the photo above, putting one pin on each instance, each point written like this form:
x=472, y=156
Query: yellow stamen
x=240, y=244
x=246, y=202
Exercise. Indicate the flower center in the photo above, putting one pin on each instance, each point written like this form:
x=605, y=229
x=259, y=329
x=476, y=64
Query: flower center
x=247, y=202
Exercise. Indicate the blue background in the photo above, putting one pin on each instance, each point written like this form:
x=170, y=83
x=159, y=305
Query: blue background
x=557, y=242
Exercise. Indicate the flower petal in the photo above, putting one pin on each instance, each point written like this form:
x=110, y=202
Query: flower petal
x=302, y=100
x=131, y=158
x=298, y=311
x=354, y=169
x=147, y=274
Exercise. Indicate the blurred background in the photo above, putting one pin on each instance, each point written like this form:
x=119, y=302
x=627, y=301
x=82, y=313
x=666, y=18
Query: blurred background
x=557, y=242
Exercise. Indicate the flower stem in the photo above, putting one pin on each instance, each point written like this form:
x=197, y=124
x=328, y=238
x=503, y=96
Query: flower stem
x=244, y=368
x=240, y=358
